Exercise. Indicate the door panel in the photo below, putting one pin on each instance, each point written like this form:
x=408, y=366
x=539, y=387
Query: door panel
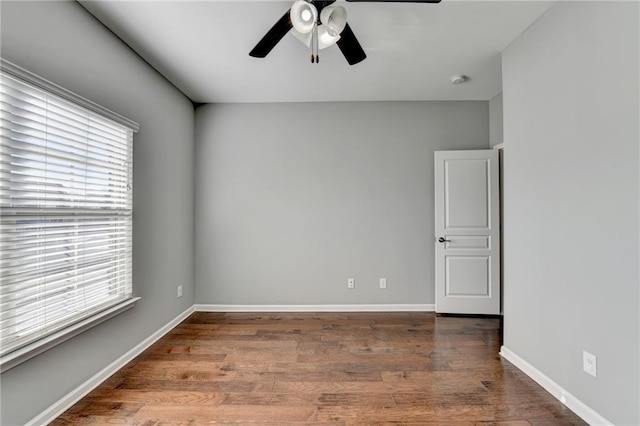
x=466, y=194
x=467, y=276
x=467, y=232
x=469, y=242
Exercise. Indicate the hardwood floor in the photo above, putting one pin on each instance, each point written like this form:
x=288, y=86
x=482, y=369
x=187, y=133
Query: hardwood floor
x=323, y=369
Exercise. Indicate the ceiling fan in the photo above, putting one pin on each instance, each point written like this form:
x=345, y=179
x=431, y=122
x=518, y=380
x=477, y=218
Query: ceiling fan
x=319, y=24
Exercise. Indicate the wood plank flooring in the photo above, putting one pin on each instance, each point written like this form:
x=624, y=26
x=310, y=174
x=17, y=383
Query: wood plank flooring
x=323, y=369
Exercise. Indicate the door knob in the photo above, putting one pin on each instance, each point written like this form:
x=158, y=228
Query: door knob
x=443, y=240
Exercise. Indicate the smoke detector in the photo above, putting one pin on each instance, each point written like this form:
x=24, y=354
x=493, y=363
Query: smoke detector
x=459, y=79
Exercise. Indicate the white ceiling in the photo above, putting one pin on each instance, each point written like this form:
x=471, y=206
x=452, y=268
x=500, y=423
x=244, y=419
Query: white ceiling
x=202, y=47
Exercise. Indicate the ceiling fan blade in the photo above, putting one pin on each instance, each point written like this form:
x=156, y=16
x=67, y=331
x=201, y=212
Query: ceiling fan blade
x=272, y=37
x=350, y=47
x=396, y=1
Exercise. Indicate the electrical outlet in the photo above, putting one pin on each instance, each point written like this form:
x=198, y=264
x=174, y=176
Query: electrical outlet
x=589, y=364
x=383, y=283
x=179, y=291
x=351, y=283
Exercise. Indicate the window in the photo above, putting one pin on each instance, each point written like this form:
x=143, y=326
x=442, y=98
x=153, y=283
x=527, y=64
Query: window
x=65, y=211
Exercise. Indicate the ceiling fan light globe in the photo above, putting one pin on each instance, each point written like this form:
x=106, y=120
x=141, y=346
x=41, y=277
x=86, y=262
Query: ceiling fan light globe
x=303, y=16
x=334, y=18
x=325, y=38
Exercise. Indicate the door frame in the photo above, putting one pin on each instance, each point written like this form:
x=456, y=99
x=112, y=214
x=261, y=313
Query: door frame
x=500, y=148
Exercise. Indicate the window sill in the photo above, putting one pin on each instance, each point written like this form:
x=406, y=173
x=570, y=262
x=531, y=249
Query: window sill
x=21, y=355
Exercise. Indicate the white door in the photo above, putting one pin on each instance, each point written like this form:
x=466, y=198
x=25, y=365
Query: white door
x=467, y=232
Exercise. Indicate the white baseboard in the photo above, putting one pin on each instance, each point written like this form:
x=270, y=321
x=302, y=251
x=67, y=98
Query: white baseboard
x=574, y=404
x=315, y=308
x=55, y=410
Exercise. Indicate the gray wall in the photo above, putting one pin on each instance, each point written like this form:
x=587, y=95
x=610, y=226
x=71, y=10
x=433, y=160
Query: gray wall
x=570, y=86
x=61, y=42
x=292, y=199
x=496, y=120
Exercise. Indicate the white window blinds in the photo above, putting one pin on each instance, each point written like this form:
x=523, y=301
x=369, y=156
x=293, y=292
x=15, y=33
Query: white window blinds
x=65, y=213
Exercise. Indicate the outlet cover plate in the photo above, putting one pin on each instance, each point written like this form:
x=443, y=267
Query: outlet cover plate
x=351, y=283
x=179, y=292
x=589, y=364
x=383, y=283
